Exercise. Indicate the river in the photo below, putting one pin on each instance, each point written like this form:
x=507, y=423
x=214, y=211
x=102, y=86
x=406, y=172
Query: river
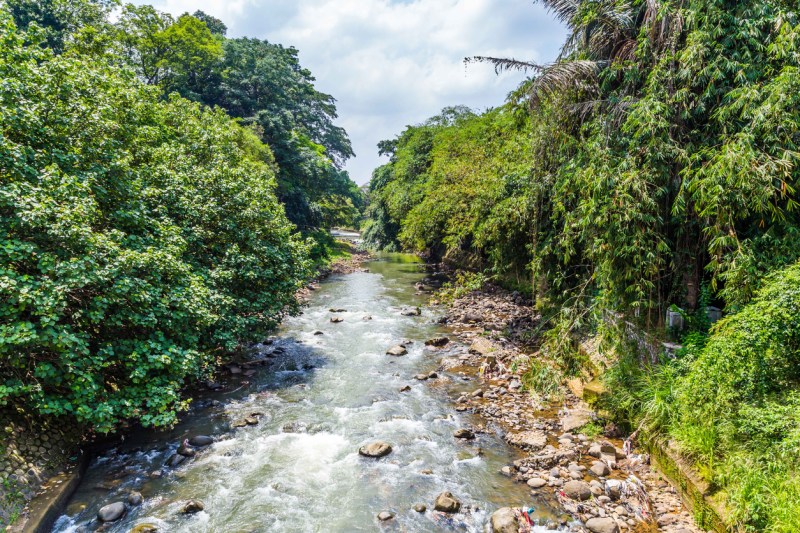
x=320, y=399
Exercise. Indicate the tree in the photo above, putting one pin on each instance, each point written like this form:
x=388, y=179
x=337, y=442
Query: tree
x=216, y=26
x=174, y=54
x=59, y=20
x=141, y=239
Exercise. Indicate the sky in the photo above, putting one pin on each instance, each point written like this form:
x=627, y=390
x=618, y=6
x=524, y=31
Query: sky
x=393, y=63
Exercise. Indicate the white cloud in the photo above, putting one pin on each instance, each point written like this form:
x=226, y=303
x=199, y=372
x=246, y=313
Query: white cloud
x=391, y=63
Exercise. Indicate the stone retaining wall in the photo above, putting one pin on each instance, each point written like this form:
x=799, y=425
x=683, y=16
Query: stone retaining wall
x=31, y=451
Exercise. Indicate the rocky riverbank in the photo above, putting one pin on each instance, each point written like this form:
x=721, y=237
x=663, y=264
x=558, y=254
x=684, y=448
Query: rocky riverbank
x=603, y=484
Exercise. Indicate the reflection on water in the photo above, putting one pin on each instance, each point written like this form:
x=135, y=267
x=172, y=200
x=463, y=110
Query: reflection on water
x=317, y=401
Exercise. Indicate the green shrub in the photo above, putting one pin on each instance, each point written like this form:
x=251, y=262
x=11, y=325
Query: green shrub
x=464, y=283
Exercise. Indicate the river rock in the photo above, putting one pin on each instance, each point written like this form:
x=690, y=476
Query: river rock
x=337, y=310
x=577, y=490
x=411, y=311
x=111, y=512
x=530, y=440
x=318, y=332
x=602, y=525
x=175, y=460
x=375, y=449
x=135, y=498
x=447, y=503
x=201, y=440
x=576, y=419
x=420, y=508
x=536, y=482
x=192, y=506
x=599, y=468
x=397, y=351
x=186, y=451
x=481, y=346
x=337, y=319
x=421, y=377
x=505, y=521
x=383, y=516
x=437, y=341
x=406, y=388
x=464, y=434
x=471, y=317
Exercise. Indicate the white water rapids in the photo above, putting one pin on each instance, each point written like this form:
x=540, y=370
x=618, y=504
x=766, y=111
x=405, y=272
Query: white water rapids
x=326, y=395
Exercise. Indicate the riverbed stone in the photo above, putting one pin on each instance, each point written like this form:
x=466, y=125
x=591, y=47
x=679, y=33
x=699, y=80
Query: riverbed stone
x=575, y=419
x=201, y=440
x=135, y=498
x=384, y=516
x=186, y=451
x=577, y=490
x=530, y=440
x=537, y=482
x=406, y=388
x=337, y=320
x=397, y=351
x=175, y=460
x=602, y=525
x=375, y=449
x=411, y=311
x=481, y=346
x=447, y=503
x=420, y=508
x=599, y=468
x=437, y=342
x=505, y=521
x=111, y=512
x=192, y=506
x=464, y=433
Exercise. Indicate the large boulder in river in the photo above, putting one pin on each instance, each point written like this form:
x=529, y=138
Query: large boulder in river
x=111, y=512
x=397, y=351
x=437, y=341
x=602, y=525
x=447, y=503
x=505, y=521
x=135, y=498
x=578, y=490
x=201, y=440
x=375, y=449
x=175, y=460
x=464, y=434
x=192, y=506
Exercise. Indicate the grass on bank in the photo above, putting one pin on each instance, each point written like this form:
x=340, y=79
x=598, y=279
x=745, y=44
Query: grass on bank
x=730, y=402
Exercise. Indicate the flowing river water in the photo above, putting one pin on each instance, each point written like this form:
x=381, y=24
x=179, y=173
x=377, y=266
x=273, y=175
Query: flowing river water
x=320, y=398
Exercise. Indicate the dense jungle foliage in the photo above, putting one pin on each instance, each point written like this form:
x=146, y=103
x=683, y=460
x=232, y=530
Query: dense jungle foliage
x=653, y=165
x=144, y=234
